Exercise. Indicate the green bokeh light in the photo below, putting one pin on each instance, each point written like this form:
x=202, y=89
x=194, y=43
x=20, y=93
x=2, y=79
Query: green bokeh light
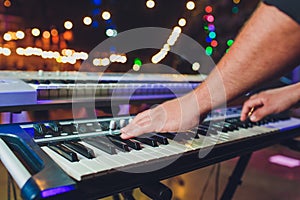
x=209, y=50
x=229, y=42
x=138, y=62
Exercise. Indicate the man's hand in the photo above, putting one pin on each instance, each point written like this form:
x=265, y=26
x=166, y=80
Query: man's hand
x=269, y=102
x=175, y=115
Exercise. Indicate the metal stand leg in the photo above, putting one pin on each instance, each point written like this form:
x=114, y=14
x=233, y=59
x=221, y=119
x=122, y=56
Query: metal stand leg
x=236, y=176
x=128, y=195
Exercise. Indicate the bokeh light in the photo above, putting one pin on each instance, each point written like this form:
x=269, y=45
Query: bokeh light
x=106, y=15
x=68, y=25
x=181, y=22
x=35, y=32
x=87, y=20
x=150, y=4
x=190, y=5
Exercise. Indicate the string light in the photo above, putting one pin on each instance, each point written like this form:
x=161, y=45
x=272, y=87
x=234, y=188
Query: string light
x=209, y=28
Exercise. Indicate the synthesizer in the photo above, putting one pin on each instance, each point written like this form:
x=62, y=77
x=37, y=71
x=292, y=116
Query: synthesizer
x=72, y=85
x=87, y=159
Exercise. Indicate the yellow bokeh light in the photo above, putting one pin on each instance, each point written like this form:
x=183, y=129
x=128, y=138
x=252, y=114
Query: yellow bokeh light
x=7, y=36
x=46, y=34
x=106, y=15
x=236, y=1
x=182, y=22
x=87, y=20
x=68, y=25
x=190, y=5
x=54, y=32
x=150, y=4
x=196, y=66
x=20, y=34
x=136, y=67
x=35, y=32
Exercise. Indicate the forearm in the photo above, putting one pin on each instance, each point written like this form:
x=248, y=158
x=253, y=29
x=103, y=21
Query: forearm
x=267, y=46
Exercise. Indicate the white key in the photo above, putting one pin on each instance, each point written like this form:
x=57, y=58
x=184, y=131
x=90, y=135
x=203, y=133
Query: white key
x=74, y=169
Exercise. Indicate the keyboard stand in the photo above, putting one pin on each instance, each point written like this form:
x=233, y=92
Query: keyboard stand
x=236, y=176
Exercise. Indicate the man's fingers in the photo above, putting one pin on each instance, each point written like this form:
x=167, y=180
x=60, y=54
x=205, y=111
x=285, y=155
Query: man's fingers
x=134, y=131
x=260, y=113
x=249, y=108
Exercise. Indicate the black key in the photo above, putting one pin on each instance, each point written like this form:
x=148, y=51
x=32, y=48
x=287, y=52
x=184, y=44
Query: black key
x=217, y=126
x=229, y=126
x=64, y=152
x=160, y=139
x=120, y=145
x=104, y=146
x=57, y=81
x=203, y=126
x=80, y=148
x=148, y=141
x=129, y=142
x=44, y=81
x=183, y=137
x=205, y=129
x=33, y=81
x=168, y=135
x=202, y=131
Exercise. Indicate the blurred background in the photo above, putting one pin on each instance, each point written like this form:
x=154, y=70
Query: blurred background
x=54, y=35
x=57, y=35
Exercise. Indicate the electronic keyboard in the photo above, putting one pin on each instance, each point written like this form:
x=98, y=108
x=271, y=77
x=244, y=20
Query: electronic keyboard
x=57, y=87
x=87, y=159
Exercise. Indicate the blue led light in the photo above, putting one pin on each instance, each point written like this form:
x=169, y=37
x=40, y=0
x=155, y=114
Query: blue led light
x=58, y=190
x=96, y=11
x=97, y=2
x=208, y=39
x=95, y=24
x=109, y=21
